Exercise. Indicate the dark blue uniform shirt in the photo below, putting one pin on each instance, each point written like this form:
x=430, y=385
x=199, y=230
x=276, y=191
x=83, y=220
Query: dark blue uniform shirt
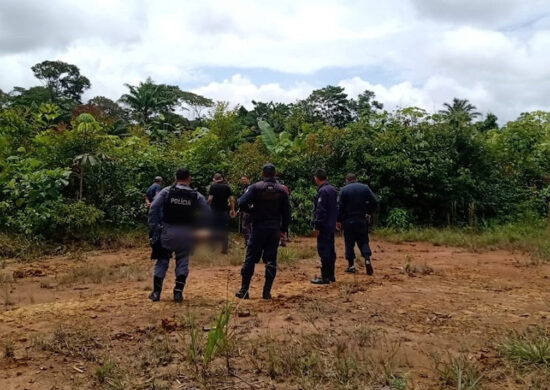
x=325, y=209
x=267, y=203
x=356, y=200
x=152, y=191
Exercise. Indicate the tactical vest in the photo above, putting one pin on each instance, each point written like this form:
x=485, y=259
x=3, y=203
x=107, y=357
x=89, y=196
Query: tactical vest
x=180, y=206
x=267, y=202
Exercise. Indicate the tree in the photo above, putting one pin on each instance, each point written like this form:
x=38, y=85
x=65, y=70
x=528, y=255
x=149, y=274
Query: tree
x=365, y=105
x=148, y=100
x=194, y=103
x=110, y=115
x=3, y=99
x=63, y=81
x=32, y=97
x=46, y=117
x=109, y=109
x=331, y=105
x=273, y=113
x=459, y=112
x=87, y=128
x=489, y=123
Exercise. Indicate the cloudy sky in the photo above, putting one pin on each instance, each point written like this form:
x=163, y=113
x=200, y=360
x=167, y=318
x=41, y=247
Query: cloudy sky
x=496, y=53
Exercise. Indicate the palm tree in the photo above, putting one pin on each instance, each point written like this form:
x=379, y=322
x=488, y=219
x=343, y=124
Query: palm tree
x=459, y=112
x=146, y=100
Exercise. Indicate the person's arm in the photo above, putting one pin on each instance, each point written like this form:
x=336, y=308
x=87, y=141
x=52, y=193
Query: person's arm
x=321, y=212
x=147, y=202
x=371, y=201
x=339, y=210
x=341, y=206
x=245, y=201
x=232, y=206
x=210, y=195
x=203, y=206
x=285, y=217
x=155, y=211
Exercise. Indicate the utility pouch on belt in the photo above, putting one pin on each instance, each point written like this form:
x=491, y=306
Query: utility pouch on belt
x=154, y=242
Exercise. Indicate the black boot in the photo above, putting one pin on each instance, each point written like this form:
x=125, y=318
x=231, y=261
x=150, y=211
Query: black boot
x=368, y=266
x=157, y=289
x=320, y=280
x=324, y=278
x=243, y=292
x=178, y=288
x=331, y=276
x=267, y=288
x=351, y=267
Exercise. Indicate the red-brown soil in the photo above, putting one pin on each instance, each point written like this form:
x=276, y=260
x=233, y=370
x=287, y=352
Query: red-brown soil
x=457, y=301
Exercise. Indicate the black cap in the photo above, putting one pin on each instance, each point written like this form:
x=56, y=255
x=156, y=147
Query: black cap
x=268, y=170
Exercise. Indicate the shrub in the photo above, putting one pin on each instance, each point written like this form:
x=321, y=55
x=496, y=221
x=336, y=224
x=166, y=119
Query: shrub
x=398, y=219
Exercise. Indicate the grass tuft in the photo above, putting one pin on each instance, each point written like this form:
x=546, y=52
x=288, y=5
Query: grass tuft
x=458, y=372
x=528, y=349
x=108, y=375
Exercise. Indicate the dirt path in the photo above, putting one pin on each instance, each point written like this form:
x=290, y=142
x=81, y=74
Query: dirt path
x=451, y=301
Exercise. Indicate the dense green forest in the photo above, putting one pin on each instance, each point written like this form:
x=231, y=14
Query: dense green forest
x=68, y=168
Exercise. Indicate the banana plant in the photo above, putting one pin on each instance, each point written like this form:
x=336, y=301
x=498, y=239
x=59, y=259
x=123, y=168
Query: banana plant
x=275, y=144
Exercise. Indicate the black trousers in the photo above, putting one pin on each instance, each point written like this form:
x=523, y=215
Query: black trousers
x=220, y=229
x=327, y=253
x=262, y=244
x=356, y=231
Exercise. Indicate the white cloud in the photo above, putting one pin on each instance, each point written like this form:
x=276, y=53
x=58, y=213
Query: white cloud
x=494, y=53
x=240, y=90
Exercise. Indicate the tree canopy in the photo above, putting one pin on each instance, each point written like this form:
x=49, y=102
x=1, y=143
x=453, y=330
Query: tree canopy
x=62, y=80
x=67, y=167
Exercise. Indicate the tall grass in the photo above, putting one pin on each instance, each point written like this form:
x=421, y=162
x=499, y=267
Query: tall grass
x=217, y=338
x=202, y=353
x=24, y=248
x=531, y=237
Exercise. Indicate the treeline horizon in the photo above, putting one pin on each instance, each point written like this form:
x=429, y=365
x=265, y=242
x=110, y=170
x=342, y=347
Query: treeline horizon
x=49, y=72
x=68, y=167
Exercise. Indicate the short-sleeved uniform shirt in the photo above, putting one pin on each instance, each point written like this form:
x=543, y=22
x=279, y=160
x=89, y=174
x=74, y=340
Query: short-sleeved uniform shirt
x=220, y=196
x=152, y=191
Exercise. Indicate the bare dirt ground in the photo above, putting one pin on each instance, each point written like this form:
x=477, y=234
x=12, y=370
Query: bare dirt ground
x=86, y=322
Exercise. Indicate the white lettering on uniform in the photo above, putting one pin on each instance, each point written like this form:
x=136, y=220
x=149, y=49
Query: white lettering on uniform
x=182, y=202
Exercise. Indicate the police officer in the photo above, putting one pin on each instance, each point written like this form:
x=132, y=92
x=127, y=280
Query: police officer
x=222, y=204
x=356, y=205
x=153, y=191
x=176, y=210
x=324, y=220
x=268, y=205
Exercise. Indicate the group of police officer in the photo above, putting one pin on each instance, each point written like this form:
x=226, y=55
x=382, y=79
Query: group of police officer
x=176, y=212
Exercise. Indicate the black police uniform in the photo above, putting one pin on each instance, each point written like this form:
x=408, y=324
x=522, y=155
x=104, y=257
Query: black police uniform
x=325, y=213
x=269, y=209
x=355, y=202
